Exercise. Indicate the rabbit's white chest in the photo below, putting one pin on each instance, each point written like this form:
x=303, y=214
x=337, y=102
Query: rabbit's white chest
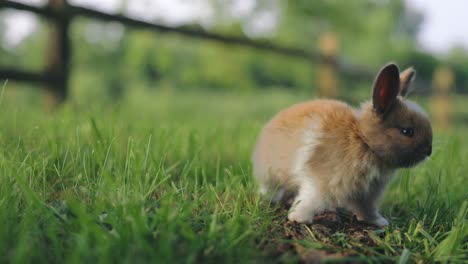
x=333, y=174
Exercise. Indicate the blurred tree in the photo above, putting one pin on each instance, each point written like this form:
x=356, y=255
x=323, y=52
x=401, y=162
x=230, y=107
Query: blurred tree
x=23, y=55
x=370, y=32
x=458, y=59
x=2, y=33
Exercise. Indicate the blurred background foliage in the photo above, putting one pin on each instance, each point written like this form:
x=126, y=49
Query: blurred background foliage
x=109, y=59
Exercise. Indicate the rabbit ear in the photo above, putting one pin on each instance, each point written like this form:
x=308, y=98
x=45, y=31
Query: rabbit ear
x=406, y=77
x=386, y=87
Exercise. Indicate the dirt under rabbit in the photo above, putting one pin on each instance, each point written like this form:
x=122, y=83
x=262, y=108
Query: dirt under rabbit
x=335, y=156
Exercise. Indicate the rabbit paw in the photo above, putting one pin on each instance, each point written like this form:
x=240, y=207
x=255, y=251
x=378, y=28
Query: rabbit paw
x=300, y=217
x=378, y=221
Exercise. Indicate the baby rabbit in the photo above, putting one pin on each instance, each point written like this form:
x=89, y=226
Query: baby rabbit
x=333, y=156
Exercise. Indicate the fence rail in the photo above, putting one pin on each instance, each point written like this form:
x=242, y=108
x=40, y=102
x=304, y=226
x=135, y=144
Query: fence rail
x=62, y=14
x=15, y=74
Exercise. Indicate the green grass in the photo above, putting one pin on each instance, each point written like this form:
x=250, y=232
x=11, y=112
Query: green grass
x=166, y=177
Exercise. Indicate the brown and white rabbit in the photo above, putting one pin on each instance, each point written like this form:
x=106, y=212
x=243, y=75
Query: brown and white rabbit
x=333, y=156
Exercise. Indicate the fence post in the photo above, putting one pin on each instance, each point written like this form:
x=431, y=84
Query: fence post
x=58, y=54
x=326, y=72
x=443, y=81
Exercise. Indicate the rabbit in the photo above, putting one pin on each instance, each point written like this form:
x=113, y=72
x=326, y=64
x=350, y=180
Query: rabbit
x=331, y=155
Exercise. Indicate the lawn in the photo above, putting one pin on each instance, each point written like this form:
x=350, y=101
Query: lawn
x=166, y=177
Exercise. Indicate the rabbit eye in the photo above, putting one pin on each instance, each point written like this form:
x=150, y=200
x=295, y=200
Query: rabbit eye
x=409, y=132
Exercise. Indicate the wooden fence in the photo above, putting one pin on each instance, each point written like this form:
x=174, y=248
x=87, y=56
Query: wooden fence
x=61, y=14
